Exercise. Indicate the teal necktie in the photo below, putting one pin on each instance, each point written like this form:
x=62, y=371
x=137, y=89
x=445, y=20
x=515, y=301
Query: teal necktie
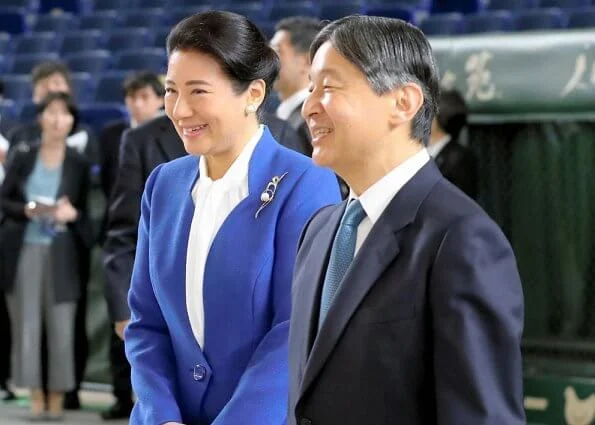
x=341, y=255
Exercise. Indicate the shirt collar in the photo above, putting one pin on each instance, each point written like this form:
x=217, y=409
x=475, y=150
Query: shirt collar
x=286, y=107
x=237, y=174
x=435, y=148
x=375, y=200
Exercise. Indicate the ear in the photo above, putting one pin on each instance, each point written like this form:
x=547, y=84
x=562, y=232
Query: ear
x=256, y=91
x=406, y=101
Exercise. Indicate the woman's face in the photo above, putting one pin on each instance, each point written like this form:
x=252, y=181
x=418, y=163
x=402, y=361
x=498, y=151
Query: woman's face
x=56, y=121
x=199, y=99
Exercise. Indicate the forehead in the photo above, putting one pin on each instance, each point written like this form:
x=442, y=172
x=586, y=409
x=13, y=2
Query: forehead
x=280, y=38
x=56, y=105
x=184, y=65
x=142, y=91
x=328, y=62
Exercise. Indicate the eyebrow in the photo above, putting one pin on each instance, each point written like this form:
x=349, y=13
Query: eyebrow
x=330, y=72
x=191, y=83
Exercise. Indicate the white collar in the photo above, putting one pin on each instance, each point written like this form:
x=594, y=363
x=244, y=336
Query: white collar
x=237, y=174
x=435, y=148
x=377, y=197
x=286, y=107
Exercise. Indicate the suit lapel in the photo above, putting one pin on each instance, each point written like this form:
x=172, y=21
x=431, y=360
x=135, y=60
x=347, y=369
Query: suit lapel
x=379, y=250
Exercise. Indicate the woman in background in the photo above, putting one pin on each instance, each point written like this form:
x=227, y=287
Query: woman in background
x=44, y=228
x=211, y=289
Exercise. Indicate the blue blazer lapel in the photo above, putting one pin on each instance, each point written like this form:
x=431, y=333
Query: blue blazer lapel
x=379, y=250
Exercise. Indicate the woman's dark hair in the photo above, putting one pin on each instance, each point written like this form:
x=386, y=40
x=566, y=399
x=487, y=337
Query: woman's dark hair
x=60, y=97
x=234, y=42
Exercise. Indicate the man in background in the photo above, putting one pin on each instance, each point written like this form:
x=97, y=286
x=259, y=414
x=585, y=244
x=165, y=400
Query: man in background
x=143, y=95
x=292, y=41
x=455, y=161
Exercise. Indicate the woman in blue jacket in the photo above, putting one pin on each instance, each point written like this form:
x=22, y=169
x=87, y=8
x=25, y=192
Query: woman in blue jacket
x=210, y=292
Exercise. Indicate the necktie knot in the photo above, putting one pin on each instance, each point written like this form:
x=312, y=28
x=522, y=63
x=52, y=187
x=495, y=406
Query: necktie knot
x=354, y=214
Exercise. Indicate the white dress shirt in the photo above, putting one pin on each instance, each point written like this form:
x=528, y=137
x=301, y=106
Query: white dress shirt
x=435, y=148
x=286, y=107
x=375, y=200
x=213, y=202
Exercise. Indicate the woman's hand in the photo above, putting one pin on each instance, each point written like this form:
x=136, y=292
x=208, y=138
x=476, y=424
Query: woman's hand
x=65, y=212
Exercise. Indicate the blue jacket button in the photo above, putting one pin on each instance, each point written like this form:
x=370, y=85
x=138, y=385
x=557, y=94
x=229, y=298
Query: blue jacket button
x=199, y=373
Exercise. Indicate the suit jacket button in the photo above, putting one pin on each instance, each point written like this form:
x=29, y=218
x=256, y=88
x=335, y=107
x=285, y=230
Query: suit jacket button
x=199, y=373
x=305, y=421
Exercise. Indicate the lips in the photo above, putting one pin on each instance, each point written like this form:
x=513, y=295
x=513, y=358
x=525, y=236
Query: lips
x=192, y=131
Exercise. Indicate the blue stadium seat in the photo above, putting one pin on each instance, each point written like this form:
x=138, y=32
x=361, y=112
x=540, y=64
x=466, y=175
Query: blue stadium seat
x=78, y=7
x=147, y=18
x=83, y=84
x=253, y=11
x=150, y=4
x=399, y=12
x=14, y=20
x=563, y=4
x=153, y=59
x=463, y=6
x=55, y=22
x=488, y=22
x=5, y=63
x=333, y=11
x=81, y=41
x=17, y=87
x=28, y=111
x=131, y=38
x=177, y=14
x=279, y=11
x=8, y=110
x=109, y=86
x=30, y=5
x=93, y=61
x=99, y=5
x=104, y=20
x=23, y=64
x=442, y=24
x=161, y=37
x=267, y=28
x=4, y=42
x=511, y=4
x=176, y=4
x=582, y=18
x=36, y=42
x=539, y=19
x=97, y=115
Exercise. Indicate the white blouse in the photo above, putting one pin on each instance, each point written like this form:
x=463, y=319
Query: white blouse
x=213, y=202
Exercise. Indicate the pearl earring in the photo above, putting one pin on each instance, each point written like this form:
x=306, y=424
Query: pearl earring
x=250, y=109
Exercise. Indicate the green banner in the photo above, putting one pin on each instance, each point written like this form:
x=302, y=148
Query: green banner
x=548, y=75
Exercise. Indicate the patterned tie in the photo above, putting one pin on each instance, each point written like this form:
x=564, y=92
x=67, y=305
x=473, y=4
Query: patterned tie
x=341, y=255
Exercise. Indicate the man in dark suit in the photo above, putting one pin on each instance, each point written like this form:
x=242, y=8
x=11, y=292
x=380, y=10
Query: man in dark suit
x=291, y=41
x=455, y=161
x=407, y=303
x=143, y=94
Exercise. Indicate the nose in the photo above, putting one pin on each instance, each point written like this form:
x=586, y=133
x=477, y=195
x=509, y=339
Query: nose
x=311, y=105
x=181, y=109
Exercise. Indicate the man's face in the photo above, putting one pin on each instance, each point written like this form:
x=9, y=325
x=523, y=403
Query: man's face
x=347, y=119
x=143, y=104
x=53, y=83
x=294, y=66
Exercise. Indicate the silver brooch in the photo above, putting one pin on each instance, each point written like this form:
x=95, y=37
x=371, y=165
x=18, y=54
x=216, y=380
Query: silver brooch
x=269, y=193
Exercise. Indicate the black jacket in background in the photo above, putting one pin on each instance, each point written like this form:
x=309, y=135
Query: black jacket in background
x=458, y=164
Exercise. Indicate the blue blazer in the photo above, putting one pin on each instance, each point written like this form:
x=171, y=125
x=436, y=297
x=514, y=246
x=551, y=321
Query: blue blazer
x=242, y=375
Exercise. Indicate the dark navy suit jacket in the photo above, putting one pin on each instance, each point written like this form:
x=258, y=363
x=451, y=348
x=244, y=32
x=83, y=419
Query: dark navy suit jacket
x=241, y=376
x=426, y=326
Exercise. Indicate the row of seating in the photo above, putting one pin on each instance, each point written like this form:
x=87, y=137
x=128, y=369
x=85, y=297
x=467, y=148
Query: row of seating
x=82, y=40
x=92, y=61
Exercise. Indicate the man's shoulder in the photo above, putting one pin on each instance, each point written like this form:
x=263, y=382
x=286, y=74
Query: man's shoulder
x=148, y=130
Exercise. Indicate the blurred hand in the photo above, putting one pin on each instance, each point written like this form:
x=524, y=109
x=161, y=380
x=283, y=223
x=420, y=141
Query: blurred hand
x=119, y=327
x=65, y=212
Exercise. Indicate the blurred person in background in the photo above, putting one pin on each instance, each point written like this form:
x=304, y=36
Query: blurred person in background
x=51, y=77
x=456, y=162
x=143, y=95
x=54, y=77
x=291, y=41
x=44, y=235
x=207, y=340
